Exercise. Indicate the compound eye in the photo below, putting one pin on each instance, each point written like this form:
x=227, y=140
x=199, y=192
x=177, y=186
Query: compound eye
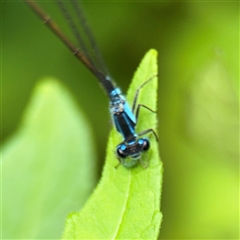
x=145, y=144
x=121, y=151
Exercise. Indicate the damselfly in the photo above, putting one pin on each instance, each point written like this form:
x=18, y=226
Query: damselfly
x=124, y=117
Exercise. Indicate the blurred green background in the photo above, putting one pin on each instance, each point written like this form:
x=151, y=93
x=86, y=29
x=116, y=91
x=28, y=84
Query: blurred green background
x=198, y=46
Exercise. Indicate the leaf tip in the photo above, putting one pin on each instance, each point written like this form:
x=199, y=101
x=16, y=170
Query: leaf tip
x=153, y=52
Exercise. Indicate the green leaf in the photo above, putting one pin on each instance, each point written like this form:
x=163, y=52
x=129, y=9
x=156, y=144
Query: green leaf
x=43, y=165
x=126, y=203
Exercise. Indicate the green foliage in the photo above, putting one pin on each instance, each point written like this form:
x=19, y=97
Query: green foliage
x=48, y=166
x=198, y=97
x=126, y=203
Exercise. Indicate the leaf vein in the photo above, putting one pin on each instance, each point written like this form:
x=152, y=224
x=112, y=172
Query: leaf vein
x=124, y=208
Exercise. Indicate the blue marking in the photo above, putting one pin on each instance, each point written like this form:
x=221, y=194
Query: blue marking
x=115, y=91
x=123, y=147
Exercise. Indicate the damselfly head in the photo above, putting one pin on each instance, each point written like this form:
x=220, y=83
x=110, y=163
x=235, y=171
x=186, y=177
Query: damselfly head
x=130, y=153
